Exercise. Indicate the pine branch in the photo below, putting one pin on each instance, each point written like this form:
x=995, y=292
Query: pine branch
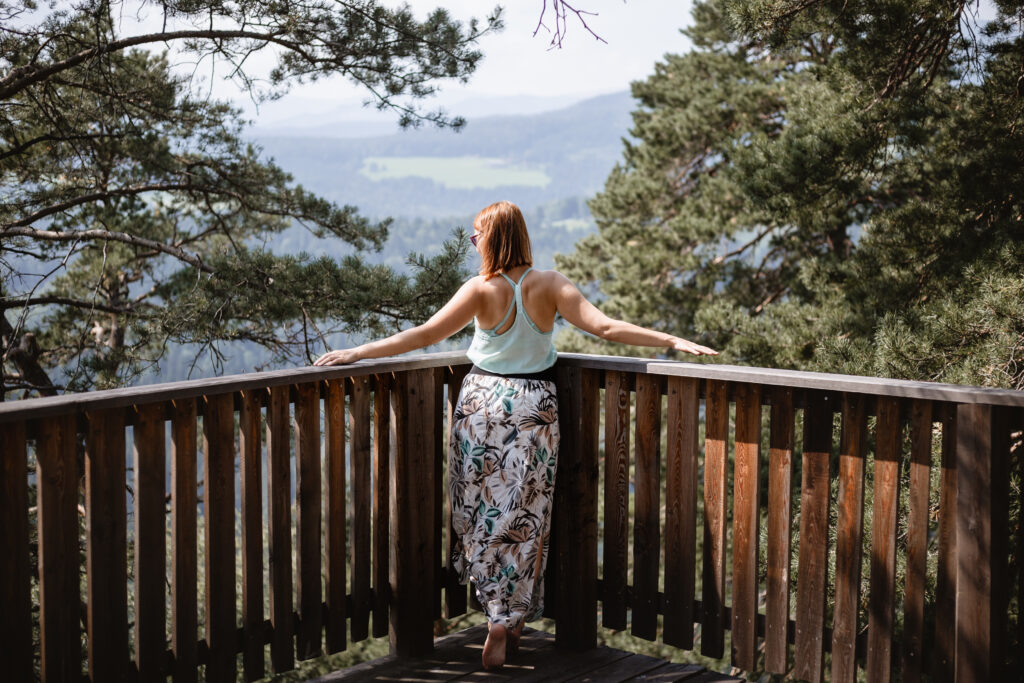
x=84, y=235
x=13, y=302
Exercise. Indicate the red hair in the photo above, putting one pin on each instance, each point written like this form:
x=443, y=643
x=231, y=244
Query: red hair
x=504, y=242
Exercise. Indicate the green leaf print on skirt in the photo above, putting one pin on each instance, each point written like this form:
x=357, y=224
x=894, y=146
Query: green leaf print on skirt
x=502, y=463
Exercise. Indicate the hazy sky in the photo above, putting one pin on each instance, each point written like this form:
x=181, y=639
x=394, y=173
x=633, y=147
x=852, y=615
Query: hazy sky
x=638, y=33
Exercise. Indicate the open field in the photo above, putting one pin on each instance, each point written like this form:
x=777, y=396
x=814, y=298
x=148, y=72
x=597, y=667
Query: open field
x=462, y=173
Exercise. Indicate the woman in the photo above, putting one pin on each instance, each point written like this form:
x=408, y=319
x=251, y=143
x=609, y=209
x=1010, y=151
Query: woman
x=504, y=440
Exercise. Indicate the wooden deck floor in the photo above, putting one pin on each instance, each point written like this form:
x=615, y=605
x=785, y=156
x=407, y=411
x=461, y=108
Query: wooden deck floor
x=457, y=658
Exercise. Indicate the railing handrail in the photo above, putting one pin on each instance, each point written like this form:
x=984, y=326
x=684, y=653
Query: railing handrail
x=169, y=391
x=796, y=379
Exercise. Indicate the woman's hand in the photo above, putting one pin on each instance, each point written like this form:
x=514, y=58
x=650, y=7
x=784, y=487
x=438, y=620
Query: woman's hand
x=339, y=357
x=687, y=346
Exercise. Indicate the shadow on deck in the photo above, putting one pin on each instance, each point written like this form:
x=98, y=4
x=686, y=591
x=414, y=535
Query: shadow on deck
x=457, y=658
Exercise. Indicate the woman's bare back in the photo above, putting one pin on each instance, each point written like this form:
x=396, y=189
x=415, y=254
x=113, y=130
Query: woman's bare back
x=538, y=299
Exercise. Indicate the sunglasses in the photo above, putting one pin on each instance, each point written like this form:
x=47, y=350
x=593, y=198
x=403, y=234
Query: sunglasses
x=474, y=237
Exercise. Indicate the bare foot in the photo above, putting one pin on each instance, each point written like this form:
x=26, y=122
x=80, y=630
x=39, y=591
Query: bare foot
x=494, y=647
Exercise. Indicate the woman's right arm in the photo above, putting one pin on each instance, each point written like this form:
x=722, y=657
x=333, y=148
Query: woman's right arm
x=575, y=308
x=455, y=315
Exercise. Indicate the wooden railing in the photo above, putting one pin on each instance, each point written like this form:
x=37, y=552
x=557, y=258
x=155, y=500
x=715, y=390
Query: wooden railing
x=369, y=516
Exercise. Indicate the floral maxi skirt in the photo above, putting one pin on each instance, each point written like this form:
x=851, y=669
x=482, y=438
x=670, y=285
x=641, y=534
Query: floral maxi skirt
x=501, y=478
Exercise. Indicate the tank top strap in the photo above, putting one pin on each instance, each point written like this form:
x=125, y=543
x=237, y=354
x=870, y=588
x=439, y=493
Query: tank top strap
x=508, y=280
x=522, y=277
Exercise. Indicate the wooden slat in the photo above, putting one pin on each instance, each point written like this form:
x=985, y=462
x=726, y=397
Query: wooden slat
x=250, y=444
x=883, y=541
x=999, y=500
x=279, y=534
x=307, y=466
x=680, y=511
x=647, y=506
x=360, y=475
x=973, y=543
x=813, y=554
x=615, y=559
x=438, y=459
x=454, y=593
x=15, y=595
x=184, y=537
x=917, y=540
x=570, y=520
x=1018, y=430
x=746, y=525
x=585, y=532
x=219, y=512
x=59, y=597
x=150, y=543
x=381, y=483
x=780, y=512
x=335, y=509
x=413, y=564
x=715, y=477
x=106, y=546
x=944, y=653
x=849, y=539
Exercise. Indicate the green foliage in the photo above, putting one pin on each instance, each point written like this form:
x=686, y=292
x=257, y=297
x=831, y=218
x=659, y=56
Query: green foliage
x=799, y=197
x=134, y=215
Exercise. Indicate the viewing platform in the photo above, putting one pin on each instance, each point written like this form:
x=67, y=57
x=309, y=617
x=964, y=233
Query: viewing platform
x=457, y=658
x=795, y=523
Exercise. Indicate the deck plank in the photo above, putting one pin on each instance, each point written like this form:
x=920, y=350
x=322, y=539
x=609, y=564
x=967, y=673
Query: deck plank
x=457, y=658
x=669, y=671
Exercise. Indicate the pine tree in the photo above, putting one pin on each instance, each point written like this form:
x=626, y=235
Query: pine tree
x=135, y=216
x=828, y=186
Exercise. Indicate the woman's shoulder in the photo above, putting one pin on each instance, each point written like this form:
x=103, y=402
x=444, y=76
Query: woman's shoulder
x=546, y=274
x=550, y=278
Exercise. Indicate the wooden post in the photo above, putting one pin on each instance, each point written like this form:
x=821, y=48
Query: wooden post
x=647, y=506
x=334, y=508
x=812, y=567
x=184, y=537
x=981, y=590
x=680, y=510
x=59, y=595
x=412, y=562
x=575, y=510
x=454, y=592
x=849, y=539
x=917, y=540
x=381, y=533
x=746, y=525
x=944, y=652
x=780, y=535
x=615, y=577
x=150, y=543
x=308, y=533
x=105, y=548
x=882, y=592
x=250, y=445
x=15, y=593
x=360, y=476
x=716, y=438
x=219, y=523
x=279, y=537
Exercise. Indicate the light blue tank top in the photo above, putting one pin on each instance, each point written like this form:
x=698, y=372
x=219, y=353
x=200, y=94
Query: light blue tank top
x=521, y=349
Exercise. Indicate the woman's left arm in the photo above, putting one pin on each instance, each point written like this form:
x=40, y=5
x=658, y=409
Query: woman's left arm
x=455, y=315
